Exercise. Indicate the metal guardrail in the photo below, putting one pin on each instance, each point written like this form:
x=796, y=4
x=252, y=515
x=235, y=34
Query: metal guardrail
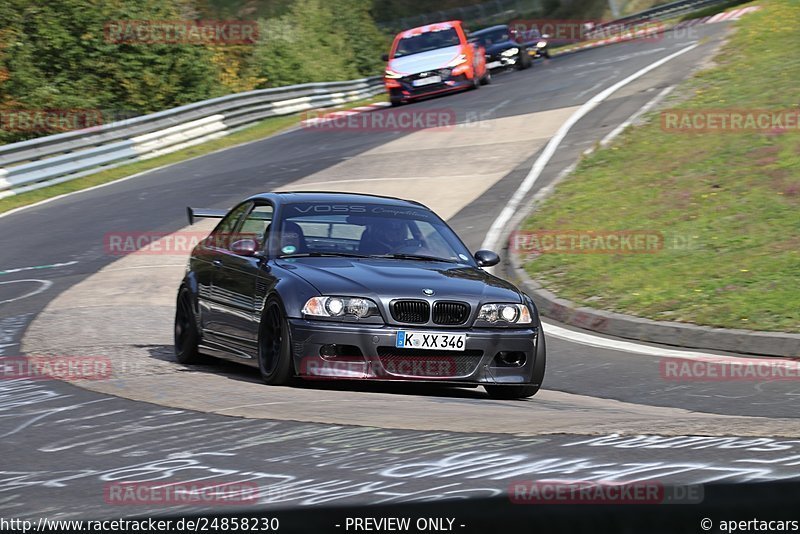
x=53, y=159
x=662, y=12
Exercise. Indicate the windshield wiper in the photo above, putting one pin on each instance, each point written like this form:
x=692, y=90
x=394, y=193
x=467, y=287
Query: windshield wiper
x=413, y=257
x=325, y=254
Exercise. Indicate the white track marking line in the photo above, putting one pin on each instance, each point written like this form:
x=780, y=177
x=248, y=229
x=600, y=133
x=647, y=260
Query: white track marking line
x=644, y=109
x=493, y=235
x=38, y=267
x=592, y=88
x=630, y=346
x=491, y=110
x=45, y=284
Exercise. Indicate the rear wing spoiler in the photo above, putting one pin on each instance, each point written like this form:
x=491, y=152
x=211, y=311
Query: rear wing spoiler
x=203, y=213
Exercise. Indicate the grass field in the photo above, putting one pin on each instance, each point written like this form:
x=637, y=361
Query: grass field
x=726, y=202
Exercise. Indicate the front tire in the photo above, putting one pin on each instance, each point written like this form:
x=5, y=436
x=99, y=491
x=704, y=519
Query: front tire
x=487, y=78
x=476, y=82
x=187, y=337
x=274, y=346
x=395, y=98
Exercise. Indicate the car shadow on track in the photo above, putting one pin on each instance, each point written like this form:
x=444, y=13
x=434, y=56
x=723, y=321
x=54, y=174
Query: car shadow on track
x=243, y=373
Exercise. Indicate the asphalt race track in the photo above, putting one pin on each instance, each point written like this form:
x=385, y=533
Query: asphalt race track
x=604, y=413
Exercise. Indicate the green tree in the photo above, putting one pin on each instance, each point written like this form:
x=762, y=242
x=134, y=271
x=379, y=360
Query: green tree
x=56, y=55
x=319, y=41
x=63, y=54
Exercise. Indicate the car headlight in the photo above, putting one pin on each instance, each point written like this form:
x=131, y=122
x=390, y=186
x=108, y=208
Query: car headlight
x=505, y=313
x=340, y=307
x=510, y=52
x=541, y=44
x=392, y=74
x=461, y=59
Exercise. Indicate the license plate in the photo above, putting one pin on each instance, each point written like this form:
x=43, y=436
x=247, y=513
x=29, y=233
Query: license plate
x=430, y=340
x=493, y=64
x=426, y=81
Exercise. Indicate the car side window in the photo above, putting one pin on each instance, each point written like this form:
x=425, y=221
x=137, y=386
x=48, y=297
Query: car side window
x=256, y=223
x=220, y=237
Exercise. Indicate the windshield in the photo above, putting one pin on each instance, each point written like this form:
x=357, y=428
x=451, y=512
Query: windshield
x=492, y=37
x=425, y=42
x=368, y=230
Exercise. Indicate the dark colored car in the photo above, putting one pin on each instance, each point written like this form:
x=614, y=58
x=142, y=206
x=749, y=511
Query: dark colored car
x=538, y=45
x=348, y=286
x=502, y=49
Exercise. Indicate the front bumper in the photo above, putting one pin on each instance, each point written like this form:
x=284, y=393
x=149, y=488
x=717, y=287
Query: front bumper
x=538, y=52
x=501, y=62
x=404, y=88
x=328, y=350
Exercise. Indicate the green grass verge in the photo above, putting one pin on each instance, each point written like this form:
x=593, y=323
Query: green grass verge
x=254, y=132
x=712, y=10
x=734, y=196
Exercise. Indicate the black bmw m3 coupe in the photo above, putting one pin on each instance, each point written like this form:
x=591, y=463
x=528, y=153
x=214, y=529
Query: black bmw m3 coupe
x=360, y=287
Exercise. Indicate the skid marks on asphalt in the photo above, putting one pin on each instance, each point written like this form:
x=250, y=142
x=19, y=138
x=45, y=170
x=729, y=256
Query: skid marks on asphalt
x=109, y=440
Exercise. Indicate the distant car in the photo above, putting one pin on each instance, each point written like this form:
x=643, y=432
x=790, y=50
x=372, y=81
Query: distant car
x=433, y=59
x=347, y=286
x=502, y=50
x=538, y=45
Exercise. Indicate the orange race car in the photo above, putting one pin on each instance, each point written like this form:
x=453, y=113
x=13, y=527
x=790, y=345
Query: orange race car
x=433, y=59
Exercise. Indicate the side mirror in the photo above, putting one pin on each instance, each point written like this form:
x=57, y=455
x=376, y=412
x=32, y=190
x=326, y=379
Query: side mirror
x=244, y=247
x=385, y=57
x=486, y=258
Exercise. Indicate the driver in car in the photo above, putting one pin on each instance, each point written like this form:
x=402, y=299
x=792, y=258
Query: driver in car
x=387, y=237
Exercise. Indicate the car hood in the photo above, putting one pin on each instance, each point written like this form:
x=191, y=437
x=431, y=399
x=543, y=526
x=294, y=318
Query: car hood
x=380, y=279
x=431, y=60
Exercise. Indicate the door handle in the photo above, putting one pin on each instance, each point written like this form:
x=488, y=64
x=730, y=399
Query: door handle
x=217, y=263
